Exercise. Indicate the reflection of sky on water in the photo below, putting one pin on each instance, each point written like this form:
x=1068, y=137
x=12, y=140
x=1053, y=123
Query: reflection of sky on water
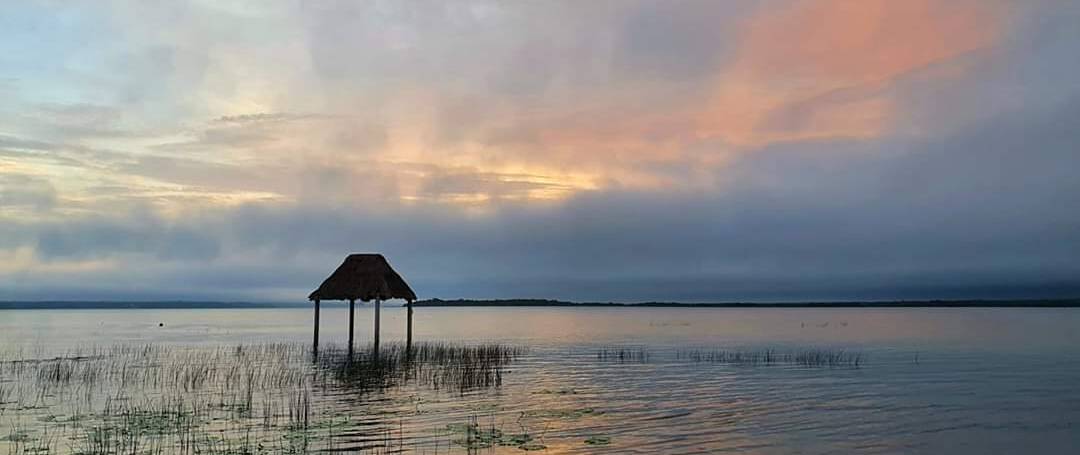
x=934, y=380
x=990, y=328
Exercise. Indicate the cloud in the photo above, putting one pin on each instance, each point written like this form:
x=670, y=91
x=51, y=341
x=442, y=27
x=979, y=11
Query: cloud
x=630, y=150
x=820, y=69
x=142, y=234
x=23, y=191
x=811, y=220
x=857, y=42
x=79, y=120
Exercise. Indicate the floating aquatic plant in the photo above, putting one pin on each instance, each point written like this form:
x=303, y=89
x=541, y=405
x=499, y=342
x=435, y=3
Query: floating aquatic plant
x=556, y=392
x=571, y=413
x=473, y=436
x=598, y=441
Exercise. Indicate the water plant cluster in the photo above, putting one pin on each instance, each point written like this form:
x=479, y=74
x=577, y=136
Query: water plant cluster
x=622, y=355
x=473, y=436
x=244, y=399
x=804, y=357
x=440, y=366
x=284, y=398
x=810, y=358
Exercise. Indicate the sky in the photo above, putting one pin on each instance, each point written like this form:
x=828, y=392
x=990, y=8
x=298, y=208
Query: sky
x=601, y=150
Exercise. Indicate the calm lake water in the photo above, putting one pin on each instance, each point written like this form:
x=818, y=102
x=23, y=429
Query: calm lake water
x=962, y=381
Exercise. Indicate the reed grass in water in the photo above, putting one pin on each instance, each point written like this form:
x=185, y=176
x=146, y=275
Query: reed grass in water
x=623, y=355
x=763, y=357
x=280, y=398
x=245, y=399
x=803, y=357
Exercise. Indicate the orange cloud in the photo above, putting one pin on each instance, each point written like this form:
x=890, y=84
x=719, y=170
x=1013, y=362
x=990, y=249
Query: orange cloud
x=805, y=70
x=822, y=68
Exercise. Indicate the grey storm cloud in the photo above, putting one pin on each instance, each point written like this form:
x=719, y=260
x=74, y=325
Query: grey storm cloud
x=144, y=235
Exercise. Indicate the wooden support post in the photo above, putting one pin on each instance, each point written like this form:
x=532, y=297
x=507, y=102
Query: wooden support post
x=352, y=316
x=408, y=326
x=378, y=303
x=315, y=342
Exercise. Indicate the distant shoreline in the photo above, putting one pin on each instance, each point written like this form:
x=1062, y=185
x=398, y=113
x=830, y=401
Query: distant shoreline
x=436, y=303
x=147, y=305
x=1032, y=303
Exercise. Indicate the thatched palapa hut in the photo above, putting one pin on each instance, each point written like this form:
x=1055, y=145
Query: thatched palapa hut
x=364, y=277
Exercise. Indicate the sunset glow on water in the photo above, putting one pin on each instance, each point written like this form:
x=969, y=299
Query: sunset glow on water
x=929, y=380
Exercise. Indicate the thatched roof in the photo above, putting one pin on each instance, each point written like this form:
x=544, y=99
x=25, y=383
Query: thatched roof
x=364, y=277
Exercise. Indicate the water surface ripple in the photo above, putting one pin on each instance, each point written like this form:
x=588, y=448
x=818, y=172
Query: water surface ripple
x=960, y=380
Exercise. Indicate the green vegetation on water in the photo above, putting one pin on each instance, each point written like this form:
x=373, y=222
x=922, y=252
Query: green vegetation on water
x=247, y=399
